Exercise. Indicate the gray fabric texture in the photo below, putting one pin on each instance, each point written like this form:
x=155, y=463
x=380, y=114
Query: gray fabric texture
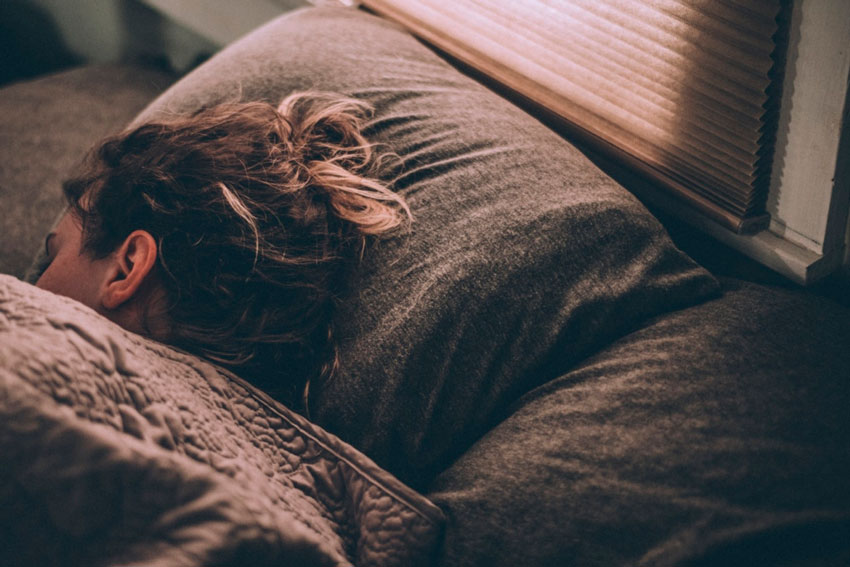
x=717, y=435
x=713, y=436
x=46, y=126
x=523, y=257
x=121, y=451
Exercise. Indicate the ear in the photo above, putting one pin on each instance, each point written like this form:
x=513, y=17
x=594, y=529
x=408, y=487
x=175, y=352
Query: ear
x=132, y=263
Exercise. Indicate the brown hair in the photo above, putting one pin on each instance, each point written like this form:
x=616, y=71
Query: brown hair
x=259, y=214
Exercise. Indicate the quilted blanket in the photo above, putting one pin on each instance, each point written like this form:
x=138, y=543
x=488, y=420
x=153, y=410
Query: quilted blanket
x=118, y=450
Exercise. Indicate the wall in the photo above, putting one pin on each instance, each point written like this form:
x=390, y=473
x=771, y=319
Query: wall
x=808, y=196
x=101, y=31
x=223, y=21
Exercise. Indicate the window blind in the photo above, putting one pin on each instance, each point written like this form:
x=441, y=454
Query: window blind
x=679, y=89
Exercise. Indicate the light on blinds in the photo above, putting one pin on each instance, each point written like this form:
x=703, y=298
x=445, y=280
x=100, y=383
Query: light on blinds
x=678, y=88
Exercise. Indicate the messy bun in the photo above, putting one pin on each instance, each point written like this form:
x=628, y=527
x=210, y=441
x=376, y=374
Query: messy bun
x=259, y=213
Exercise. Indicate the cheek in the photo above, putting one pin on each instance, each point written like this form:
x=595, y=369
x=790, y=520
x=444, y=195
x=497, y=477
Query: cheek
x=51, y=279
x=70, y=275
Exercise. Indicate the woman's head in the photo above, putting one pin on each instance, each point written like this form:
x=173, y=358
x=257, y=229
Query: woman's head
x=247, y=219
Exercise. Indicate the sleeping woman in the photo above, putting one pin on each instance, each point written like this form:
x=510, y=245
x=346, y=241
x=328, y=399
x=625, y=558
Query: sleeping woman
x=229, y=233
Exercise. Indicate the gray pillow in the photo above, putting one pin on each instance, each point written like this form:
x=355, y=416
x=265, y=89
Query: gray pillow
x=523, y=259
x=717, y=435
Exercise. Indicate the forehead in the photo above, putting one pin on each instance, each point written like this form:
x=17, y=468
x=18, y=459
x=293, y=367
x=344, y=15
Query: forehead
x=68, y=229
x=69, y=224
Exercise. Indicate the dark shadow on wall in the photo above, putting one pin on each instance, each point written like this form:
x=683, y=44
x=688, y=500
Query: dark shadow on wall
x=146, y=41
x=783, y=75
x=30, y=43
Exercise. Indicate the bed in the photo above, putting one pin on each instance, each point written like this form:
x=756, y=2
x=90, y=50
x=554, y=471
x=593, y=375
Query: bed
x=534, y=374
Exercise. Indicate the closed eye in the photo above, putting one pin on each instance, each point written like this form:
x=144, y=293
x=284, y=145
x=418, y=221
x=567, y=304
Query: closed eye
x=47, y=244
